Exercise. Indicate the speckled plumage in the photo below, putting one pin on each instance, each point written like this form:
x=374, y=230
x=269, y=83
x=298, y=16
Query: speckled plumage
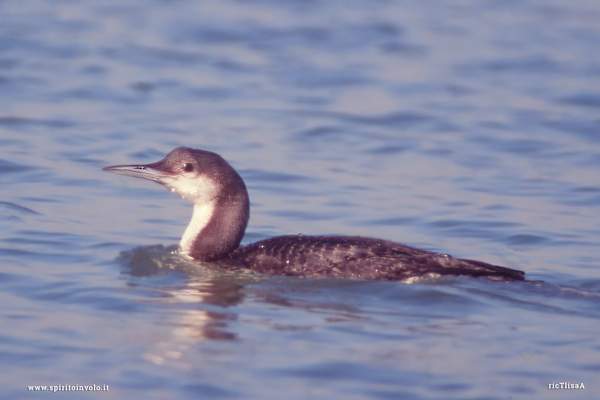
x=357, y=257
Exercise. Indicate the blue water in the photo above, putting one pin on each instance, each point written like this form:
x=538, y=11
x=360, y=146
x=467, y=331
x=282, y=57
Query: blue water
x=466, y=127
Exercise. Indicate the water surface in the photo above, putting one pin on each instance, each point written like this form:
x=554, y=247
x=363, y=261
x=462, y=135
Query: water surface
x=470, y=128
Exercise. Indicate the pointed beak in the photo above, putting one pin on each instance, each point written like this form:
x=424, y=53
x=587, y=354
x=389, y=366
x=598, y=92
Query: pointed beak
x=140, y=171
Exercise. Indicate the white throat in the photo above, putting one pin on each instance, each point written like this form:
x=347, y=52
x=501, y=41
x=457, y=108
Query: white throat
x=200, y=218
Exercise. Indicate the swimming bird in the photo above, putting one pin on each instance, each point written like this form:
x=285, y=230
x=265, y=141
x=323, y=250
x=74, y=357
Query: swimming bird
x=221, y=213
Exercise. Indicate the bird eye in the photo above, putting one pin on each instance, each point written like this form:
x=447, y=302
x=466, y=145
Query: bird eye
x=188, y=167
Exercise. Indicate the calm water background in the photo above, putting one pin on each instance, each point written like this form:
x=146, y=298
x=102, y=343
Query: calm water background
x=467, y=127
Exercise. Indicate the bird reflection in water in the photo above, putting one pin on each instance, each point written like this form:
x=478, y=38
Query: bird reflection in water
x=197, y=306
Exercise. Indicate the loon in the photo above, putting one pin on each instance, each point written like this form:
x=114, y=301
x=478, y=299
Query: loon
x=222, y=210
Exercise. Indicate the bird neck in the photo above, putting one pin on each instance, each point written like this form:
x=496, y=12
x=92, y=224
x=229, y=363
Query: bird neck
x=217, y=227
